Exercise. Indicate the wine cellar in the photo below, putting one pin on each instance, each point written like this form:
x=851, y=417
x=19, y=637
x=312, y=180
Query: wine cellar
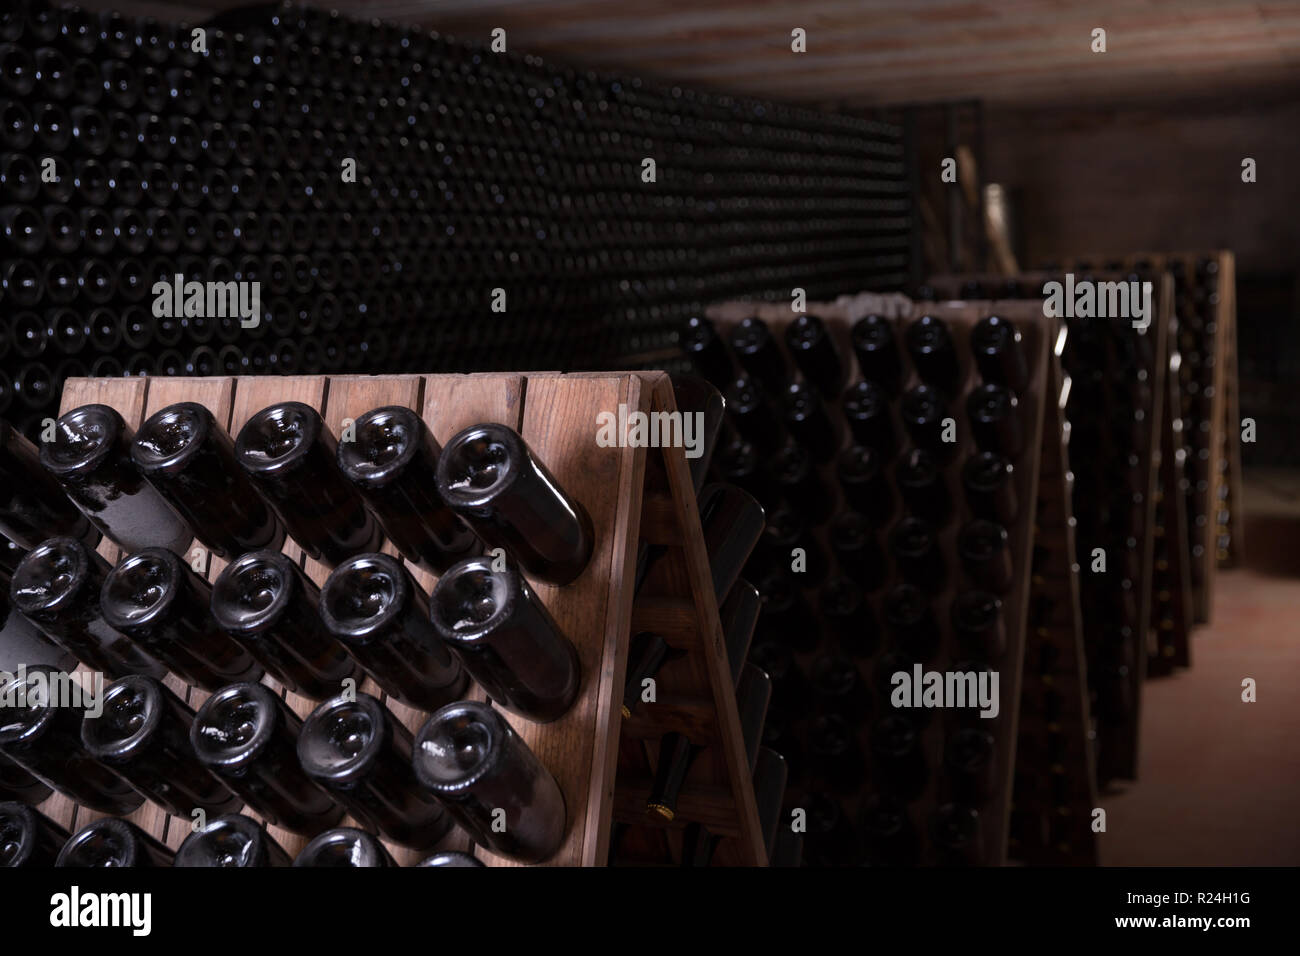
x=544, y=434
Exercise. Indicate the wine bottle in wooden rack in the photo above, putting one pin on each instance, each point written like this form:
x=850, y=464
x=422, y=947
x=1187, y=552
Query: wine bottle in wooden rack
x=143, y=734
x=291, y=458
x=372, y=606
x=695, y=396
x=91, y=459
x=933, y=354
x=676, y=755
x=474, y=762
x=231, y=840
x=809, y=423
x=758, y=354
x=999, y=353
x=153, y=597
x=111, y=842
x=32, y=505
x=247, y=737
x=344, y=847
x=450, y=858
x=190, y=460
x=31, y=838
x=866, y=407
x=392, y=460
x=863, y=483
x=506, y=639
x=57, y=586
x=877, y=353
x=816, y=354
x=849, y=618
x=489, y=476
x=646, y=654
x=921, y=485
x=887, y=829
x=266, y=603
x=360, y=754
x=755, y=417
x=707, y=352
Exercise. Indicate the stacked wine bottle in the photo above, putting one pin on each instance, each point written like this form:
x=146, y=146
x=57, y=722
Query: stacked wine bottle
x=900, y=509
x=1204, y=306
x=408, y=201
x=151, y=619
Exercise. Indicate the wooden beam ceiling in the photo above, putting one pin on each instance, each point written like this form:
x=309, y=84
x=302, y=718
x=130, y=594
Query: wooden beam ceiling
x=865, y=53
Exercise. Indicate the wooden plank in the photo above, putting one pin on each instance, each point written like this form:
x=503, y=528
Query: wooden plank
x=559, y=425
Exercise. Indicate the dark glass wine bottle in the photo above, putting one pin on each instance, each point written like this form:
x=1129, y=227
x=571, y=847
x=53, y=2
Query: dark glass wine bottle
x=91, y=459
x=994, y=414
x=863, y=482
x=877, y=352
x=28, y=837
x=816, y=354
x=695, y=397
x=357, y=751
x=732, y=522
x=154, y=598
x=915, y=547
x=291, y=458
x=759, y=355
x=646, y=653
x=476, y=764
x=999, y=353
x=753, y=694
x=266, y=603
x=247, y=737
x=933, y=353
x=887, y=829
x=344, y=847
x=990, y=484
x=231, y=840
x=911, y=620
x=190, y=459
x=921, y=483
x=392, y=459
x=32, y=505
x=506, y=639
x=970, y=763
x=57, y=586
x=985, y=551
x=925, y=416
x=41, y=732
x=866, y=407
x=112, y=842
x=978, y=625
x=143, y=734
x=490, y=477
x=374, y=608
x=897, y=755
x=677, y=754
x=706, y=351
x=809, y=423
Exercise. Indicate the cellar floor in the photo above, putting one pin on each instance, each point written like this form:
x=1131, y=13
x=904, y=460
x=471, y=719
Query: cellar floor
x=1219, y=779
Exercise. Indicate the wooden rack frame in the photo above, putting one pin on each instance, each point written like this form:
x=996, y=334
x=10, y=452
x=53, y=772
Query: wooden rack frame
x=1043, y=429
x=1219, y=507
x=632, y=494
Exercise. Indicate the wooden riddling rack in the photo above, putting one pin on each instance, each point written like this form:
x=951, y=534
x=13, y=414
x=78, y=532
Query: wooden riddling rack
x=838, y=811
x=632, y=494
x=1128, y=449
x=1206, y=312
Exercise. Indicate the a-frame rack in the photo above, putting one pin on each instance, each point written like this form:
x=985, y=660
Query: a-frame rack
x=633, y=494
